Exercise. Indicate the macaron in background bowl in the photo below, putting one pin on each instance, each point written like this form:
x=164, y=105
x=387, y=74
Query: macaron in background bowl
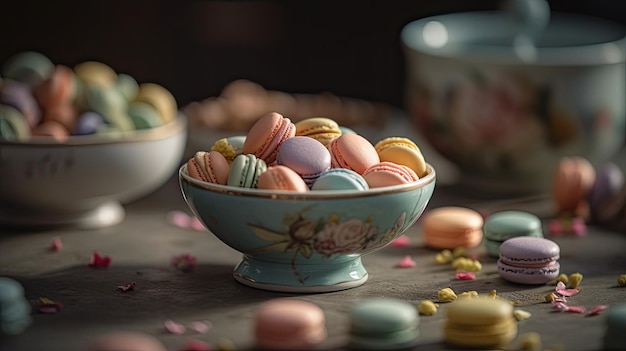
x=305, y=241
x=76, y=144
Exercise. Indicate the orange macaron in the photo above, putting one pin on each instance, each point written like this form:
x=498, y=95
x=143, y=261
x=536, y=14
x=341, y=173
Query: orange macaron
x=449, y=227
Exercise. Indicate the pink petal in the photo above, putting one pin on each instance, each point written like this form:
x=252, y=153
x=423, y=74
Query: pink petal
x=576, y=309
x=98, y=261
x=560, y=306
x=57, y=244
x=197, y=345
x=401, y=241
x=462, y=275
x=178, y=219
x=406, y=262
x=201, y=327
x=125, y=288
x=184, y=262
x=174, y=327
x=561, y=290
x=597, y=309
x=46, y=305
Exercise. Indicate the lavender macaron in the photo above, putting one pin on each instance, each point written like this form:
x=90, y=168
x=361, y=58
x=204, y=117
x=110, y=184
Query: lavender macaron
x=306, y=156
x=529, y=260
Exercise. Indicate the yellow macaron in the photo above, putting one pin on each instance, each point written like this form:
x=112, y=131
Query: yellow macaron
x=403, y=151
x=321, y=129
x=160, y=98
x=480, y=322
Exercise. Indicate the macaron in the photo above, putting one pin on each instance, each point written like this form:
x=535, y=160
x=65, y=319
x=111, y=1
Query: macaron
x=144, y=115
x=500, y=226
x=209, y=167
x=383, y=324
x=289, y=324
x=20, y=96
x=340, y=179
x=306, y=156
x=279, y=177
x=160, y=98
x=387, y=174
x=13, y=125
x=481, y=322
x=402, y=151
x=52, y=129
x=614, y=337
x=267, y=135
x=322, y=129
x=529, y=260
x=88, y=123
x=125, y=340
x=449, y=227
x=571, y=185
x=30, y=67
x=15, y=311
x=95, y=73
x=230, y=147
x=606, y=187
x=245, y=171
x=352, y=151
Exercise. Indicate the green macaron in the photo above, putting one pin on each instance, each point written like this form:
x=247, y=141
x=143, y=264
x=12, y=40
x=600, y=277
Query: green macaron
x=504, y=225
x=383, y=324
x=615, y=333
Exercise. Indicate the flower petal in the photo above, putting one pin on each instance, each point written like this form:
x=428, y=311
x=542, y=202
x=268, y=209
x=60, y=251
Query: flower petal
x=401, y=241
x=406, y=262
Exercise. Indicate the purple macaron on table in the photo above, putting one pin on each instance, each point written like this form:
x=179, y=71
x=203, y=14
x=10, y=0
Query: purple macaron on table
x=164, y=268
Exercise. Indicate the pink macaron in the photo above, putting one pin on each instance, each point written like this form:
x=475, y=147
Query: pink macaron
x=125, y=340
x=289, y=324
x=306, y=156
x=529, y=260
x=279, y=177
x=352, y=151
x=387, y=174
x=267, y=135
x=209, y=167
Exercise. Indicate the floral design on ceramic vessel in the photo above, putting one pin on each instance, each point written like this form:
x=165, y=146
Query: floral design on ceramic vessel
x=328, y=237
x=498, y=121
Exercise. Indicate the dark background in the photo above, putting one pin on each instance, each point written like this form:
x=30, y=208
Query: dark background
x=194, y=48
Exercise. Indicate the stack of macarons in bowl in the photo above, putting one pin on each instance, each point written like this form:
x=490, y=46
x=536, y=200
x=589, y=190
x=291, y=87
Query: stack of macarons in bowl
x=304, y=203
x=77, y=143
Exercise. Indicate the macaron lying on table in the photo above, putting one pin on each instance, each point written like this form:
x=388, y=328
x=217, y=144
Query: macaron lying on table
x=450, y=227
x=500, y=226
x=478, y=323
x=289, y=324
x=529, y=260
x=383, y=324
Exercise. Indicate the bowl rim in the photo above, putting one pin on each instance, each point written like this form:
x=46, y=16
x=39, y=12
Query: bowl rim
x=310, y=195
x=174, y=127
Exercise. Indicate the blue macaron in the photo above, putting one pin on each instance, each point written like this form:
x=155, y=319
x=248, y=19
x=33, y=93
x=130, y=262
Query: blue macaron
x=15, y=311
x=615, y=333
x=340, y=179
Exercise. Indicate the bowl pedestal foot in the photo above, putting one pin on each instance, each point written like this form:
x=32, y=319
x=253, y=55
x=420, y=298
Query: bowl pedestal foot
x=105, y=215
x=301, y=278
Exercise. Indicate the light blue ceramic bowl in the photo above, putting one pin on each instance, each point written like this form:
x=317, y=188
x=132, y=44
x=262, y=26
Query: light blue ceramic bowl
x=305, y=242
